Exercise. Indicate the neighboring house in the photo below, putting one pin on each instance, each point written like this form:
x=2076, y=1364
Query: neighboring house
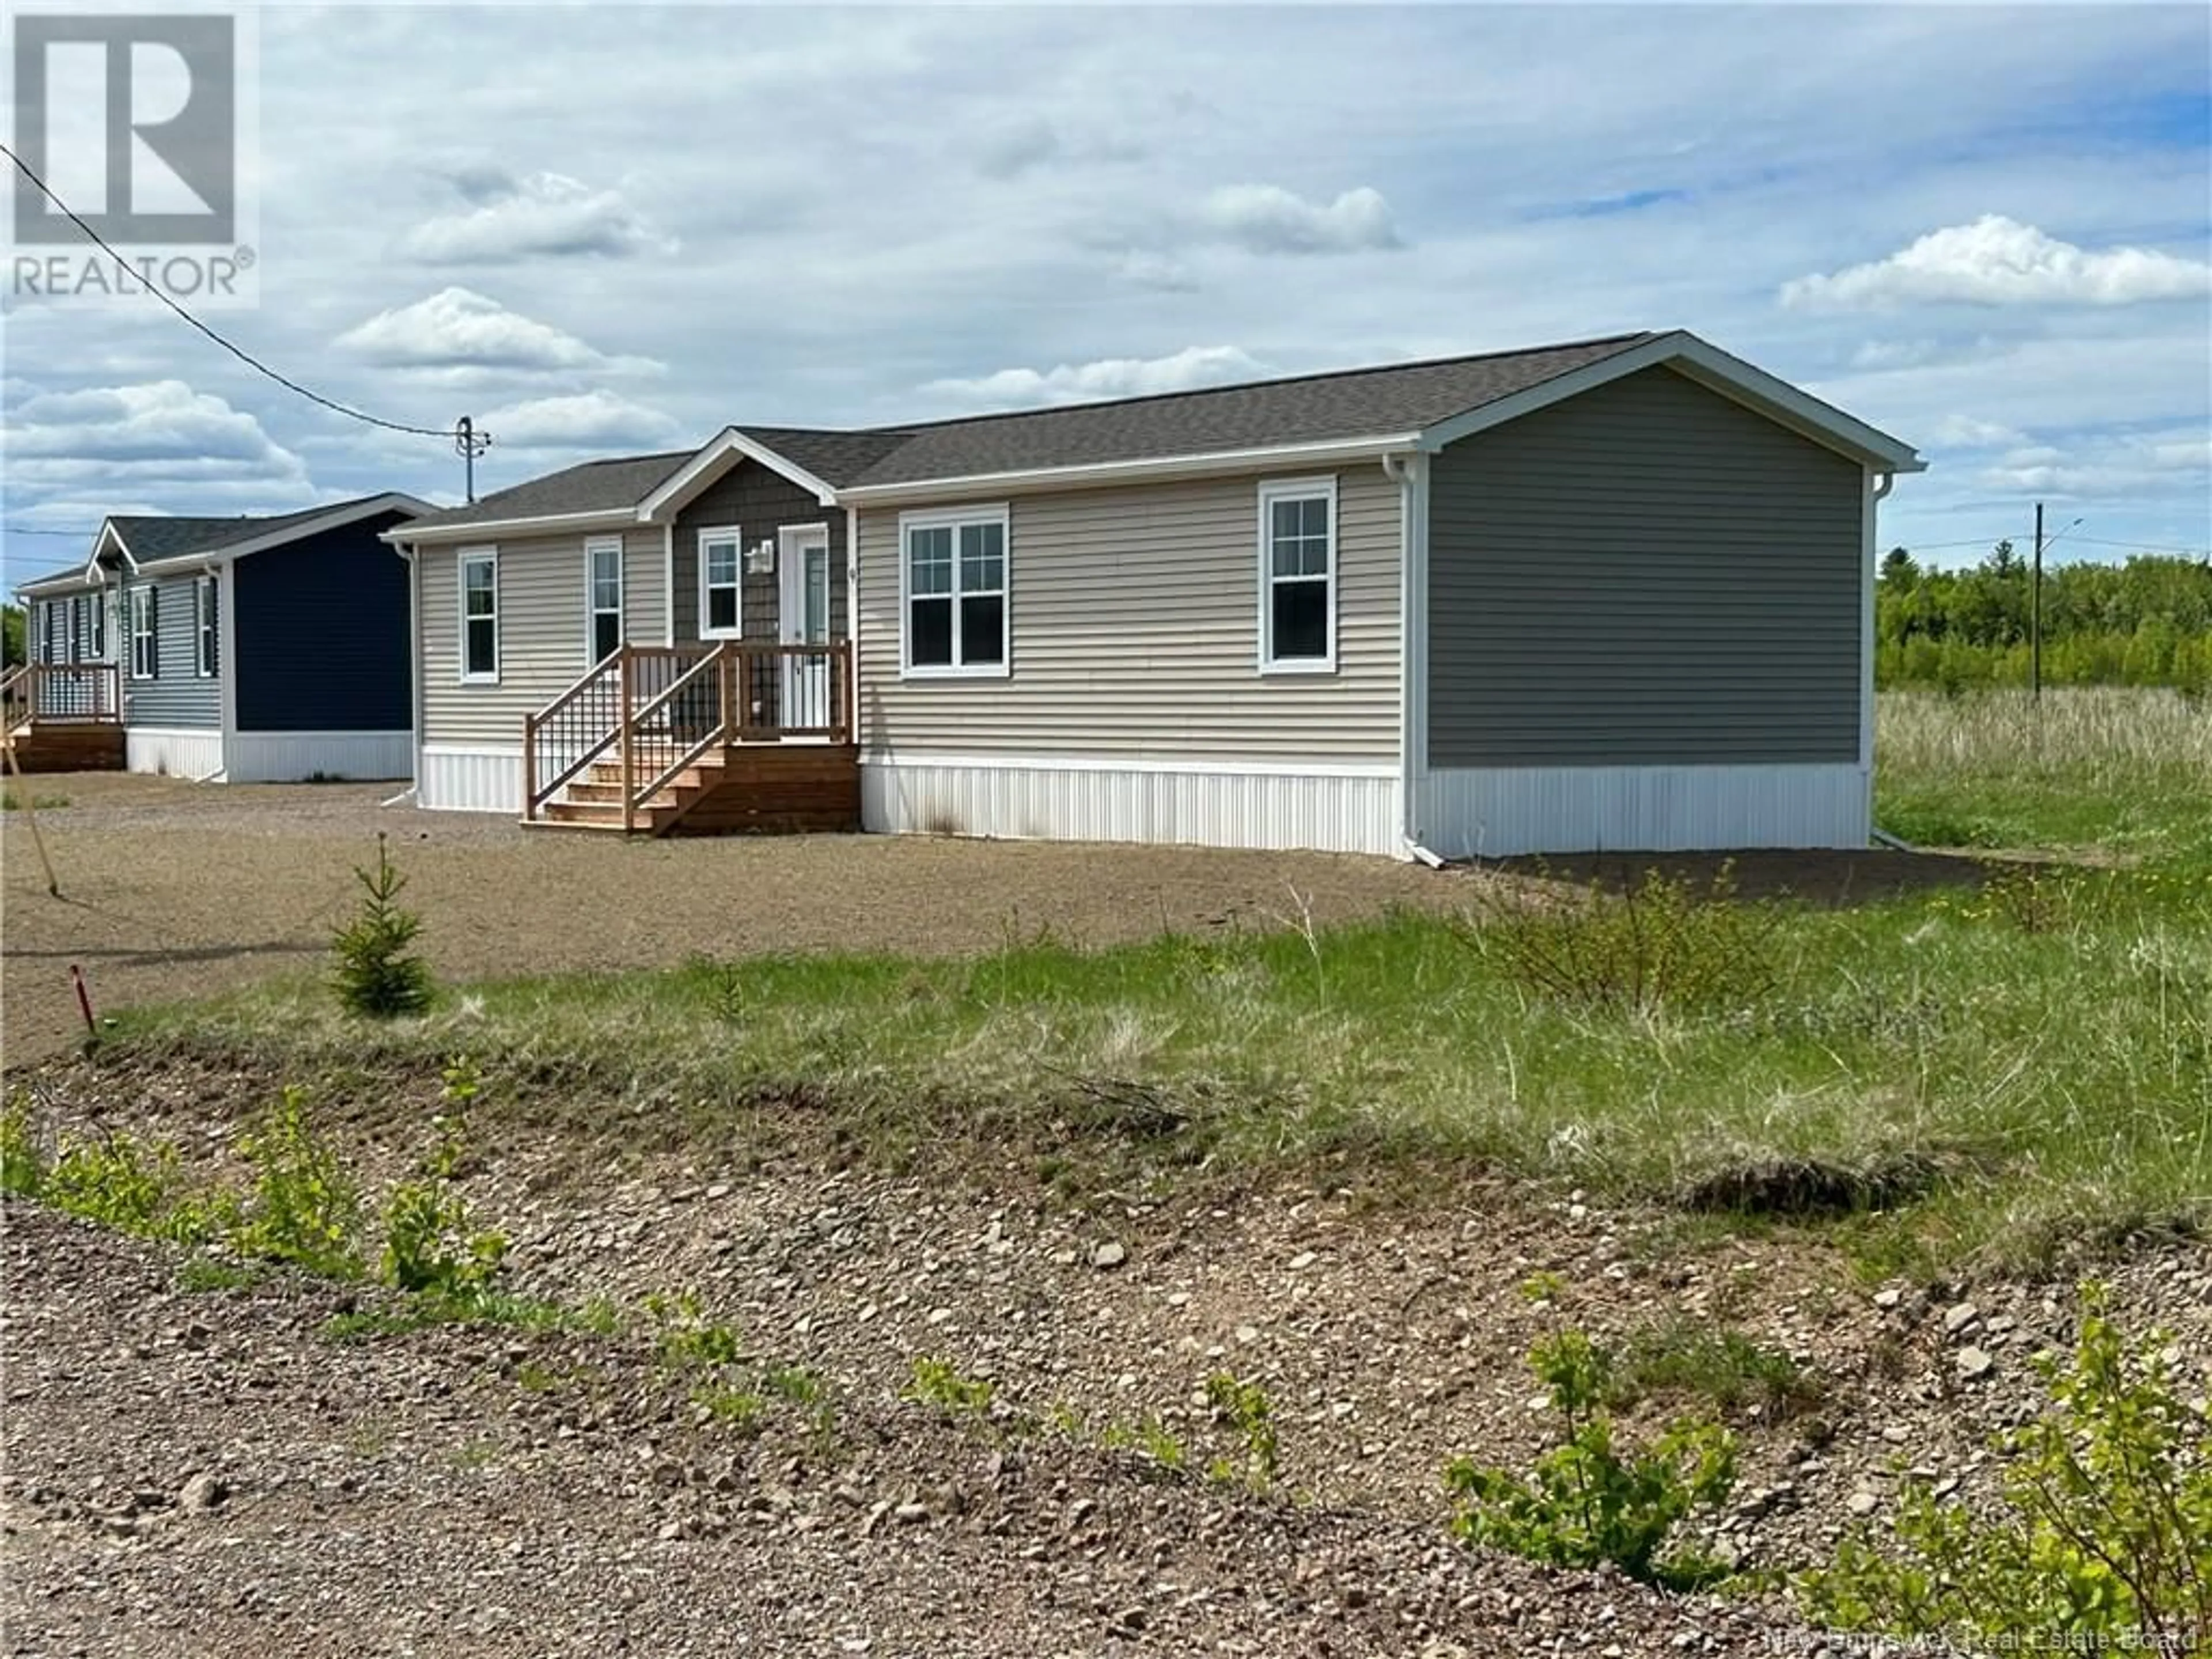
x=1611, y=594
x=247, y=649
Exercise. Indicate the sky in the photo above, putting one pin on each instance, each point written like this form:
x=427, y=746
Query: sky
x=1985, y=229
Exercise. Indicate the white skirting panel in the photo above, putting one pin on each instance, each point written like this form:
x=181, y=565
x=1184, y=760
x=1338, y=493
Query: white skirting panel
x=1503, y=811
x=1344, y=810
x=471, y=780
x=172, y=752
x=294, y=756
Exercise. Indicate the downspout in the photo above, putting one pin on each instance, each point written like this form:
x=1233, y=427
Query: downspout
x=1883, y=483
x=225, y=715
x=413, y=793
x=1409, y=473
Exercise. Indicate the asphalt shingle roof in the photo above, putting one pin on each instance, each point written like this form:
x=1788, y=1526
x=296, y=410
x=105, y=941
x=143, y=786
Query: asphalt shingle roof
x=1308, y=408
x=152, y=537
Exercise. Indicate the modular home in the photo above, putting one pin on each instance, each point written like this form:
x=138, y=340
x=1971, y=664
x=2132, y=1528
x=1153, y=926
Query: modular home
x=1613, y=594
x=251, y=650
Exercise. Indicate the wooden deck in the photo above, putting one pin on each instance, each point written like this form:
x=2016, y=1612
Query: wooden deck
x=61, y=717
x=739, y=790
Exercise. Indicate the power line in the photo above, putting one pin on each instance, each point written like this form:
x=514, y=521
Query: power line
x=243, y=356
x=26, y=530
x=2146, y=547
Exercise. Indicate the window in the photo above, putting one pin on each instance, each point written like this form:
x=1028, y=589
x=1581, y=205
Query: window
x=77, y=629
x=956, y=592
x=602, y=604
x=205, y=598
x=145, y=633
x=721, y=564
x=1298, y=575
x=480, y=614
x=100, y=627
x=49, y=618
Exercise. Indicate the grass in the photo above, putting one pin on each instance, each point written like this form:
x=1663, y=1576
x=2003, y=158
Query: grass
x=11, y=802
x=2006, y=1068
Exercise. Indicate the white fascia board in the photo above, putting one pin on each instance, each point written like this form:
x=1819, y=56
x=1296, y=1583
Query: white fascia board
x=712, y=459
x=1157, y=469
x=1712, y=369
x=603, y=517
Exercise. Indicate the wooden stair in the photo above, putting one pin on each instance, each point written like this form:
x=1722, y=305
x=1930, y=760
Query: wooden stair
x=594, y=800
x=67, y=746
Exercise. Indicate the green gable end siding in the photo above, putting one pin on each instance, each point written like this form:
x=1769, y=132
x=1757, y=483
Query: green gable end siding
x=178, y=698
x=760, y=502
x=1646, y=575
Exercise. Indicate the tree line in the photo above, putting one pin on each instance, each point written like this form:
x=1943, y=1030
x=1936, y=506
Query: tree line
x=2146, y=622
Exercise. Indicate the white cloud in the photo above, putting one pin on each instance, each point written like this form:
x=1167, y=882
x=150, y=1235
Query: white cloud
x=545, y=214
x=1111, y=377
x=1996, y=261
x=1966, y=432
x=589, y=420
x=1268, y=219
x=140, y=438
x=2104, y=465
x=458, y=329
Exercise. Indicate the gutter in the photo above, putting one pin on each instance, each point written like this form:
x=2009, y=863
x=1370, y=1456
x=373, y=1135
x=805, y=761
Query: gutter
x=1409, y=471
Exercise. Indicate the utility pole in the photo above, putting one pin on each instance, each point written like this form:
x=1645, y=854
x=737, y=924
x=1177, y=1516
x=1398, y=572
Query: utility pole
x=470, y=443
x=2034, y=615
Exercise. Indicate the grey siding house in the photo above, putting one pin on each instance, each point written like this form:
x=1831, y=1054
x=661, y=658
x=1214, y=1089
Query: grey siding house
x=242, y=649
x=1614, y=594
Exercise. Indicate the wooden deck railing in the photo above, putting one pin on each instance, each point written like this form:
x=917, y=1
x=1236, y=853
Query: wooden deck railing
x=655, y=710
x=64, y=693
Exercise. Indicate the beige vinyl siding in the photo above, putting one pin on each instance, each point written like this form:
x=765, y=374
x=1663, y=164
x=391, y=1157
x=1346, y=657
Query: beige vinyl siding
x=1134, y=634
x=542, y=630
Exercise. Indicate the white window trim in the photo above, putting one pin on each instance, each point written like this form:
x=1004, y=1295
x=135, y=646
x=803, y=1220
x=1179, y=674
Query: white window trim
x=141, y=606
x=465, y=557
x=933, y=518
x=97, y=641
x=717, y=534
x=594, y=546
x=1271, y=491
x=205, y=641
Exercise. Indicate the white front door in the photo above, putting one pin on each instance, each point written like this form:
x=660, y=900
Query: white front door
x=802, y=619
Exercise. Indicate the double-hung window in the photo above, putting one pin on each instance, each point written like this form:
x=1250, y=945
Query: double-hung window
x=955, y=566
x=100, y=627
x=603, y=581
x=206, y=597
x=1298, y=575
x=145, y=633
x=721, y=580
x=77, y=629
x=480, y=614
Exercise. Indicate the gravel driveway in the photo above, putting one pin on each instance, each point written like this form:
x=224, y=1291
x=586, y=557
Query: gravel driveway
x=170, y=889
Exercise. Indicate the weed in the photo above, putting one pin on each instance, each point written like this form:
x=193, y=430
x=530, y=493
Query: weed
x=1244, y=1407
x=305, y=1208
x=531, y=1377
x=936, y=1383
x=427, y=1243
x=1725, y=1367
x=375, y=976
x=1583, y=1504
x=687, y=1338
x=11, y=802
x=23, y=1160
x=206, y=1273
x=2106, y=1532
x=734, y=1408
x=1663, y=942
x=1151, y=1436
x=795, y=1384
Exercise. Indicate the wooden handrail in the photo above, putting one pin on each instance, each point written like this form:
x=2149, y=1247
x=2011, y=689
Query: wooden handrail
x=66, y=693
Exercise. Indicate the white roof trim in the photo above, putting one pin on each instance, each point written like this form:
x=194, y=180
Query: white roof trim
x=1711, y=367
x=1157, y=467
x=599, y=518
x=712, y=460
x=223, y=552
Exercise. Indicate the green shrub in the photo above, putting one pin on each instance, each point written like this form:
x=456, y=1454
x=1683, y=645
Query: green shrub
x=1584, y=1503
x=1663, y=942
x=304, y=1208
x=1245, y=1408
x=2106, y=1532
x=375, y=975
x=427, y=1245
x=23, y=1160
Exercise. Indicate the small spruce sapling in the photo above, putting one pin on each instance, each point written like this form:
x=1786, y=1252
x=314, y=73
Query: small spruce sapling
x=376, y=978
